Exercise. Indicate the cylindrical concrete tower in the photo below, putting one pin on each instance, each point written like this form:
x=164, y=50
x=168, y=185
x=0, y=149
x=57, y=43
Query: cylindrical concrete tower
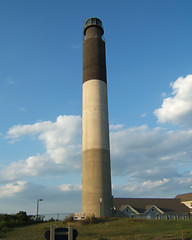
x=96, y=184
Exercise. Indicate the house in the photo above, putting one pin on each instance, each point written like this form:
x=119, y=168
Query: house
x=186, y=199
x=151, y=208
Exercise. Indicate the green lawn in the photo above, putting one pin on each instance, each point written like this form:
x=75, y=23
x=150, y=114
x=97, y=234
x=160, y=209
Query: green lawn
x=111, y=229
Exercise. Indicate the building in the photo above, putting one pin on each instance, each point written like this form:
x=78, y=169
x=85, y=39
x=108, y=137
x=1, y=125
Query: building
x=96, y=170
x=186, y=199
x=150, y=208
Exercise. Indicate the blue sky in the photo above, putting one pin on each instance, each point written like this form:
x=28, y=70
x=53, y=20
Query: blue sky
x=149, y=69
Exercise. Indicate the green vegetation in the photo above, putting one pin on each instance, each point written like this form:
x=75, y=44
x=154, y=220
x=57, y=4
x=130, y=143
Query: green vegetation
x=110, y=229
x=20, y=219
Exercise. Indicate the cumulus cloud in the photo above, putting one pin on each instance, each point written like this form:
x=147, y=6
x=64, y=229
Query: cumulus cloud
x=150, y=161
x=164, y=188
x=154, y=184
x=146, y=188
x=33, y=129
x=143, y=115
x=177, y=109
x=62, y=141
x=70, y=187
x=23, y=195
x=32, y=166
x=116, y=127
x=10, y=189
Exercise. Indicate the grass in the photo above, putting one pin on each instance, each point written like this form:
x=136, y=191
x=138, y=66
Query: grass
x=111, y=229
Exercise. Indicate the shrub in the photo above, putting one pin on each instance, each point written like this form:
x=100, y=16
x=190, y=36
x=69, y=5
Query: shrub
x=13, y=220
x=4, y=229
x=68, y=219
x=3, y=224
x=91, y=219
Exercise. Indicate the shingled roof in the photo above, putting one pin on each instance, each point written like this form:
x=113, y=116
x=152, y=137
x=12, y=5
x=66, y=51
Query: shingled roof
x=185, y=197
x=142, y=204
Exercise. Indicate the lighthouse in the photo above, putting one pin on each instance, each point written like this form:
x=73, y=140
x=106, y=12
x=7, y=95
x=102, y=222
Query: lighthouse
x=96, y=169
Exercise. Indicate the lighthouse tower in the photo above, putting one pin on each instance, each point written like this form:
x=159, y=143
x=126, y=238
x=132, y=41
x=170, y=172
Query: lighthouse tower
x=96, y=182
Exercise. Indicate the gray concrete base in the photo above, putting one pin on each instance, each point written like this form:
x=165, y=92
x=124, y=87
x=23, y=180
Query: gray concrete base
x=96, y=185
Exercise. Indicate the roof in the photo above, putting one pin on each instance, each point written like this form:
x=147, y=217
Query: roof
x=185, y=197
x=132, y=209
x=142, y=204
x=158, y=209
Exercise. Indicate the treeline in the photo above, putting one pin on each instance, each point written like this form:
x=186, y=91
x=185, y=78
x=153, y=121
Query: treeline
x=13, y=220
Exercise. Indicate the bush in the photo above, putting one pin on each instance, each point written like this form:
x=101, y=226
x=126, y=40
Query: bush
x=68, y=219
x=4, y=229
x=92, y=220
x=22, y=216
x=13, y=220
x=3, y=224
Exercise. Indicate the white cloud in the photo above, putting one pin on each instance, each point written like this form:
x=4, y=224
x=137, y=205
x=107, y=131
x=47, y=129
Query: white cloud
x=177, y=109
x=22, y=109
x=135, y=151
x=151, y=161
x=11, y=189
x=70, y=187
x=9, y=81
x=32, y=166
x=23, y=195
x=62, y=140
x=143, y=115
x=22, y=130
x=165, y=188
x=116, y=127
x=141, y=153
x=154, y=184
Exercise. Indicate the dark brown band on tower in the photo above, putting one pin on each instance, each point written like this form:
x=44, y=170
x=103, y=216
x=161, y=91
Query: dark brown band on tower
x=94, y=64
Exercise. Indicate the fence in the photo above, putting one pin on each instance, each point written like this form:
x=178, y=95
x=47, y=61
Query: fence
x=55, y=216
